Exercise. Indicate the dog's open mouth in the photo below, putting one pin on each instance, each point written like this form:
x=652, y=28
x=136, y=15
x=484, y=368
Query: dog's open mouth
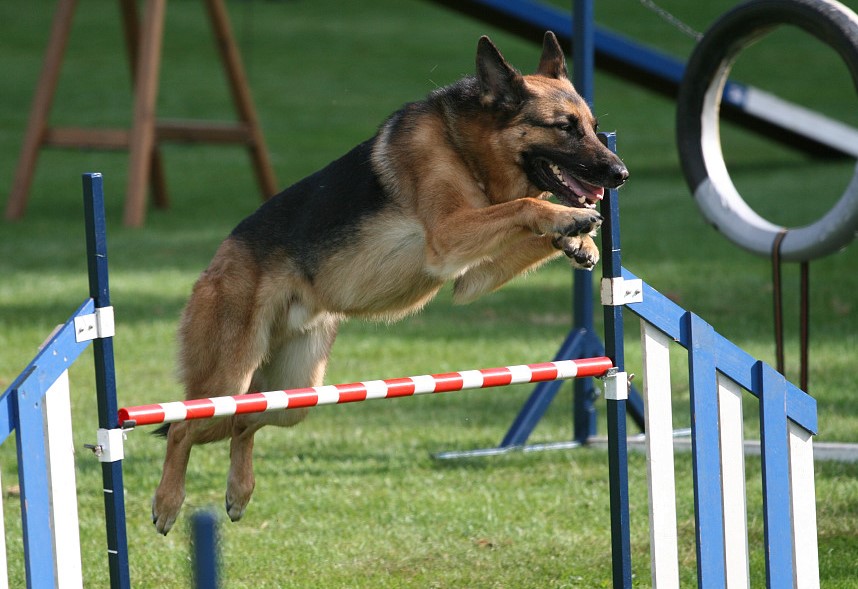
x=567, y=188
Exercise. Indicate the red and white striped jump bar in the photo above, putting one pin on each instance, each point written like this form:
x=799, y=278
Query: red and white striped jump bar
x=360, y=391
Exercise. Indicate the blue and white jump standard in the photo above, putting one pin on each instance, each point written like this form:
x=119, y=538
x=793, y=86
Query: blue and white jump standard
x=36, y=408
x=718, y=371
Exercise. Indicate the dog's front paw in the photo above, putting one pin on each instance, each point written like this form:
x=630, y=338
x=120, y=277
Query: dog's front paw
x=581, y=250
x=578, y=222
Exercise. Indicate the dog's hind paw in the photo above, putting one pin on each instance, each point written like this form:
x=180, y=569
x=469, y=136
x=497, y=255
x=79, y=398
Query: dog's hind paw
x=234, y=509
x=239, y=489
x=162, y=517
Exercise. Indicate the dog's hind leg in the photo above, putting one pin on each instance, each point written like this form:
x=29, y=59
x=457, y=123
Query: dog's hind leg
x=223, y=338
x=297, y=360
x=170, y=493
x=182, y=436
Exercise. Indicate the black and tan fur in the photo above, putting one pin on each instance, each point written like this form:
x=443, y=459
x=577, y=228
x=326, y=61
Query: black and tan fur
x=451, y=188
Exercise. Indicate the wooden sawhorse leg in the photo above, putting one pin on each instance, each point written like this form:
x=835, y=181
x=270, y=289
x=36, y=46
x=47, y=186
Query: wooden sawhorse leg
x=131, y=25
x=37, y=125
x=142, y=140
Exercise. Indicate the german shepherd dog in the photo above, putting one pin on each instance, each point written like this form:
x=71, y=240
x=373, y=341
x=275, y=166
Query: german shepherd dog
x=451, y=188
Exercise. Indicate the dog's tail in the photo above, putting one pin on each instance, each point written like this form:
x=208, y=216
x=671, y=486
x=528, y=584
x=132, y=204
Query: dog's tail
x=161, y=432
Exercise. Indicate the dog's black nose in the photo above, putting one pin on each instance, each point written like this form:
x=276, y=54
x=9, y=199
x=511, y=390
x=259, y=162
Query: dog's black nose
x=621, y=174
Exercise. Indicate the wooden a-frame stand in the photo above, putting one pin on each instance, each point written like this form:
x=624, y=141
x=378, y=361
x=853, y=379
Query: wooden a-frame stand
x=143, y=42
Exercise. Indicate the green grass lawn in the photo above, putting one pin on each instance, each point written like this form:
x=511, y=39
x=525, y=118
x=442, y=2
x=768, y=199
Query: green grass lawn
x=352, y=498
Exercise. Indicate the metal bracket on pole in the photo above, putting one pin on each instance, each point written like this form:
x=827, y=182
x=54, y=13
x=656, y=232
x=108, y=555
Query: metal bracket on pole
x=616, y=385
x=618, y=291
x=109, y=446
x=94, y=325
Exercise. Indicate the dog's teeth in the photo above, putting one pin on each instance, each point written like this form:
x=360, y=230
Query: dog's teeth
x=582, y=200
x=558, y=173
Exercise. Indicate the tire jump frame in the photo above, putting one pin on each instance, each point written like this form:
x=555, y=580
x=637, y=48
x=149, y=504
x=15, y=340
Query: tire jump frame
x=718, y=371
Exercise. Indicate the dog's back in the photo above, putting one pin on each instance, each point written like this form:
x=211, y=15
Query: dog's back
x=317, y=215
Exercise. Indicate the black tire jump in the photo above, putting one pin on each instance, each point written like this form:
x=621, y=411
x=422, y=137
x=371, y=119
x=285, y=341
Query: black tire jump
x=698, y=136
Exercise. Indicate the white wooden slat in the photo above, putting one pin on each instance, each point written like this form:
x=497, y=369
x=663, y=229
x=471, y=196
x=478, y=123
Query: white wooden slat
x=63, y=489
x=659, y=451
x=733, y=483
x=803, y=495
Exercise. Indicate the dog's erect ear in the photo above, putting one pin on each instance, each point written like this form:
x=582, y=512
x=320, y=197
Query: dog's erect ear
x=501, y=85
x=552, y=64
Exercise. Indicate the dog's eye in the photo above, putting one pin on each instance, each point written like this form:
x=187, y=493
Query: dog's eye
x=567, y=126
x=570, y=125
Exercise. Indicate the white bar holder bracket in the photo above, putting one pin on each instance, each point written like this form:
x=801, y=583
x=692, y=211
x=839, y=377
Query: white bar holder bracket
x=94, y=325
x=109, y=446
x=616, y=385
x=619, y=291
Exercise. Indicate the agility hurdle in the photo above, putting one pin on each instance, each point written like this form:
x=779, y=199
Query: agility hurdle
x=718, y=371
x=35, y=408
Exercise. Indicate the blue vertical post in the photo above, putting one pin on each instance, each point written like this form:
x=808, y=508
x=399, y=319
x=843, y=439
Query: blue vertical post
x=105, y=381
x=770, y=387
x=583, y=32
x=581, y=342
x=205, y=551
x=616, y=409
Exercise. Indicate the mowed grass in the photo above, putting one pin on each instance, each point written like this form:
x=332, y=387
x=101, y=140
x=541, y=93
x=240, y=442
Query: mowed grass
x=352, y=497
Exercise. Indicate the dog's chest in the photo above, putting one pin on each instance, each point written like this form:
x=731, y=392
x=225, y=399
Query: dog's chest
x=382, y=272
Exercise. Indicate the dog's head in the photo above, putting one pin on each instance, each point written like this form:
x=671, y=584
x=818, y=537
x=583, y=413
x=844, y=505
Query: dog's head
x=549, y=128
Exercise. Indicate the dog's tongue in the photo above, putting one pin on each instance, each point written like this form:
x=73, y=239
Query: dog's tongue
x=581, y=188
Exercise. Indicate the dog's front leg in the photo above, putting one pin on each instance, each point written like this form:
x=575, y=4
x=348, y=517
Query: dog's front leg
x=469, y=236
x=511, y=260
x=520, y=257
